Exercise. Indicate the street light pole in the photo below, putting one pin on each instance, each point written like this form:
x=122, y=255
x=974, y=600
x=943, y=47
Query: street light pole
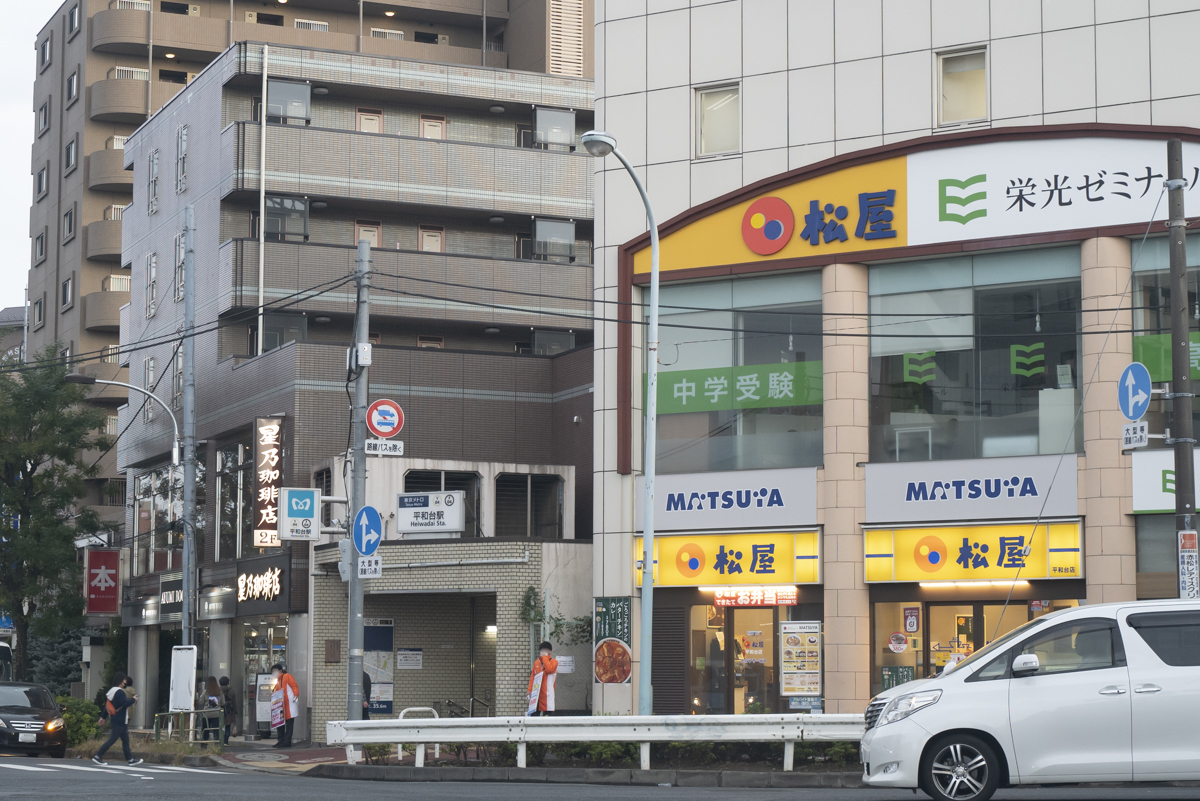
x=358, y=480
x=189, y=421
x=80, y=378
x=601, y=144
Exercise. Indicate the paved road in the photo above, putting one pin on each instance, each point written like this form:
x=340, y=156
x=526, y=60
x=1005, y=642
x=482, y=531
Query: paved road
x=23, y=777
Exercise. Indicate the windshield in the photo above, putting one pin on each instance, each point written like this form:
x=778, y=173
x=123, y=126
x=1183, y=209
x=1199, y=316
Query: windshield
x=25, y=698
x=996, y=645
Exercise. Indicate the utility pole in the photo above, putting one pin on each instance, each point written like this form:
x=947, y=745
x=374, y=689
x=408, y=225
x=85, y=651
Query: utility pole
x=358, y=479
x=1181, y=362
x=189, y=420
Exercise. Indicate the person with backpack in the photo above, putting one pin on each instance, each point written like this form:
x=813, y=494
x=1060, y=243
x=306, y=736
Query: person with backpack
x=229, y=705
x=115, y=705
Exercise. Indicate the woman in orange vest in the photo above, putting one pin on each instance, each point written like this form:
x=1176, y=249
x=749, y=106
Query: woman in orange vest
x=541, y=682
x=285, y=700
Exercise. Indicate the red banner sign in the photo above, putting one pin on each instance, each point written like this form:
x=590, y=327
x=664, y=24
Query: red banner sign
x=755, y=596
x=102, y=581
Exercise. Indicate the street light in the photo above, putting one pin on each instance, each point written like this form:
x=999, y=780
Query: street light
x=80, y=378
x=601, y=144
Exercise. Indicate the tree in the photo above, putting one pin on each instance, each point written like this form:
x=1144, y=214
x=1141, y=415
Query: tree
x=54, y=660
x=46, y=425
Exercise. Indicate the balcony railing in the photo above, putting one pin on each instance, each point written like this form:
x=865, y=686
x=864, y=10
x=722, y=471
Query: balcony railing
x=132, y=5
x=387, y=33
x=129, y=73
x=115, y=283
x=312, y=25
x=111, y=354
x=114, y=213
x=116, y=143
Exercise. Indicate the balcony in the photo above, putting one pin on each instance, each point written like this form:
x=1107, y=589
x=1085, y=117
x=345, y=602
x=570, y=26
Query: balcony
x=124, y=31
x=107, y=173
x=291, y=267
x=104, y=240
x=102, y=310
x=124, y=99
x=107, y=372
x=399, y=169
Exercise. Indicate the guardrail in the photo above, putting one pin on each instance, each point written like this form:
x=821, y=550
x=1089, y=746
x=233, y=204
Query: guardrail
x=788, y=729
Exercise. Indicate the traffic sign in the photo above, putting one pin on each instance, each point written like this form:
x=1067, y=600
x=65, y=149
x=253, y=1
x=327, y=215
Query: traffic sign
x=1135, y=435
x=385, y=418
x=1133, y=391
x=384, y=447
x=299, y=510
x=431, y=511
x=370, y=567
x=368, y=530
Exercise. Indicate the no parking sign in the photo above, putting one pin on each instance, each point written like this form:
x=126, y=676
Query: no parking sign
x=385, y=418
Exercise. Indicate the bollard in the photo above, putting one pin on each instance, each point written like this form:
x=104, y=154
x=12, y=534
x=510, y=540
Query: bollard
x=520, y=755
x=789, y=754
x=645, y=756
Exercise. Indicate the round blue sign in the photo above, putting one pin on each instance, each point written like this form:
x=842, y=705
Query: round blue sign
x=368, y=530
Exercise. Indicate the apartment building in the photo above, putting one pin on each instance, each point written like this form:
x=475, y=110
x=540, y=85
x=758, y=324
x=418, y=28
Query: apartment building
x=104, y=65
x=467, y=184
x=896, y=237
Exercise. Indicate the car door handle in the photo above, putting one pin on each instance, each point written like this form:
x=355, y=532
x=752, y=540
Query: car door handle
x=1148, y=688
x=1113, y=691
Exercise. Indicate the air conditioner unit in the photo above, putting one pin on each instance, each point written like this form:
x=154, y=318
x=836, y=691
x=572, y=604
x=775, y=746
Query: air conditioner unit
x=251, y=16
x=443, y=38
x=193, y=11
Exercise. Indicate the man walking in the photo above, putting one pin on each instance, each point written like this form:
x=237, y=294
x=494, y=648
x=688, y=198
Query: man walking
x=541, y=682
x=116, y=703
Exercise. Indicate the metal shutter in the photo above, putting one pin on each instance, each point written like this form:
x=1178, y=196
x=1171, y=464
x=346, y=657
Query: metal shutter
x=669, y=673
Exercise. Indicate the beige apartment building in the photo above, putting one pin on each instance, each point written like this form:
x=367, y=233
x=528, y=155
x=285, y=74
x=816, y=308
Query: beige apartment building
x=104, y=65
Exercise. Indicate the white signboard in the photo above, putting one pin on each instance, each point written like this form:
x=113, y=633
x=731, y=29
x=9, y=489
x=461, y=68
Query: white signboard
x=300, y=514
x=800, y=652
x=972, y=489
x=1154, y=481
x=370, y=566
x=264, y=686
x=409, y=658
x=1189, y=570
x=384, y=447
x=566, y=664
x=1135, y=435
x=731, y=500
x=1034, y=186
x=431, y=511
x=183, y=678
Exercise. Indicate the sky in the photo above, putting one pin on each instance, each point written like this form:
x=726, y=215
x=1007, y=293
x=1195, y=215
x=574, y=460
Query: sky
x=22, y=20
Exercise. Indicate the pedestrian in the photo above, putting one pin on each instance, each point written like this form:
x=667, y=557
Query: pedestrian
x=115, y=704
x=366, y=696
x=209, y=701
x=541, y=682
x=285, y=701
x=228, y=705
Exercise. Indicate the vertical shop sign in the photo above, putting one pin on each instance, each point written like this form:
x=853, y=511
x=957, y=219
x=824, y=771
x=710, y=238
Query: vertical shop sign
x=800, y=665
x=268, y=480
x=912, y=619
x=378, y=662
x=1189, y=566
x=612, y=633
x=102, y=578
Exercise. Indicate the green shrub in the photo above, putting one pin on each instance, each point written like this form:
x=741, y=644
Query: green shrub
x=82, y=719
x=376, y=753
x=842, y=753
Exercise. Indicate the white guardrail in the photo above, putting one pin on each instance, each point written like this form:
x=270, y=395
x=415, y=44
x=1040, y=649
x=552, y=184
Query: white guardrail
x=788, y=729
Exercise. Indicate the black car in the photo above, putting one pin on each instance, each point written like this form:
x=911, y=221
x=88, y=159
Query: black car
x=30, y=721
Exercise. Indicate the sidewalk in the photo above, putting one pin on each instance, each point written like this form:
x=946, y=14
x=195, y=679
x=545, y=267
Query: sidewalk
x=262, y=755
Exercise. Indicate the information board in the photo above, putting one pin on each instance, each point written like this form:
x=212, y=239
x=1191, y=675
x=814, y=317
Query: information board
x=800, y=658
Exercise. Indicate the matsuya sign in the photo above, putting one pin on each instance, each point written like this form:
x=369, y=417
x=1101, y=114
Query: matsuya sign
x=1013, y=187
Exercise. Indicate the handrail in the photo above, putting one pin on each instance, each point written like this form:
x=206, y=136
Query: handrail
x=475, y=701
x=788, y=729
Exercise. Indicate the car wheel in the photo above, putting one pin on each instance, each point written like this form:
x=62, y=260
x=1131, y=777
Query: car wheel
x=960, y=767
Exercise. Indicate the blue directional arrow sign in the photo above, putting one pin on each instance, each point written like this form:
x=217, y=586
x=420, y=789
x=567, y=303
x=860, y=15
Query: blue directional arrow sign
x=368, y=530
x=1133, y=391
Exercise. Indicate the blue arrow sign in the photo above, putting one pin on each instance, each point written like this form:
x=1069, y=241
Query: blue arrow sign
x=1133, y=391
x=368, y=530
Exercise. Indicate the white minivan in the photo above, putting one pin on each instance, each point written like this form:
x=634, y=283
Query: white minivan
x=1106, y=693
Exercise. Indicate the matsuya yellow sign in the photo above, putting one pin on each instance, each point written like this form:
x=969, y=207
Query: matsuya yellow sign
x=972, y=553
x=733, y=559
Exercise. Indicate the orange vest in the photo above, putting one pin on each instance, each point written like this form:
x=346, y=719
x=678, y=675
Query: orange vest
x=548, y=665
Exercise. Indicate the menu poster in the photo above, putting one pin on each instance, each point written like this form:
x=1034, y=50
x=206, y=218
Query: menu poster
x=800, y=662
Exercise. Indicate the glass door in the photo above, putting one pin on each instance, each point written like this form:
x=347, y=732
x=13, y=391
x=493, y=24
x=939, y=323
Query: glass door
x=754, y=670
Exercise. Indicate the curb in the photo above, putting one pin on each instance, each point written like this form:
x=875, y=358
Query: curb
x=600, y=776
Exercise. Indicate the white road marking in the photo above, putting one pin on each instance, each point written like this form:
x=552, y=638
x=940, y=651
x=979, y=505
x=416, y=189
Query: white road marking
x=195, y=770
x=118, y=766
x=26, y=767
x=56, y=766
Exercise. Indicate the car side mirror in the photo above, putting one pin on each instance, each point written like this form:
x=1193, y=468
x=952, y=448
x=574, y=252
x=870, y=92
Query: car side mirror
x=1025, y=665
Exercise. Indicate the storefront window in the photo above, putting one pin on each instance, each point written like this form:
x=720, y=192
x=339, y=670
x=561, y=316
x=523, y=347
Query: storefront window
x=158, y=538
x=739, y=383
x=235, y=493
x=976, y=357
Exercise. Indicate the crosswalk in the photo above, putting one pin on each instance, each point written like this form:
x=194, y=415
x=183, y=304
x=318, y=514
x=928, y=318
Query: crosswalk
x=112, y=768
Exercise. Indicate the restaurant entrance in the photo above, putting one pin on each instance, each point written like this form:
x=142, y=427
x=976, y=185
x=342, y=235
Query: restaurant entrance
x=732, y=659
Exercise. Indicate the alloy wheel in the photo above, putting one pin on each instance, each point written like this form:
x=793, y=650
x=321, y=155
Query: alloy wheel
x=960, y=771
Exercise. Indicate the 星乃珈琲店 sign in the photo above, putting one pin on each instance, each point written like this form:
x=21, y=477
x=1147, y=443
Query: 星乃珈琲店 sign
x=1014, y=187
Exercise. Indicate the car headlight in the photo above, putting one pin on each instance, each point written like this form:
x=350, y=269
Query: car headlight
x=902, y=706
x=55, y=724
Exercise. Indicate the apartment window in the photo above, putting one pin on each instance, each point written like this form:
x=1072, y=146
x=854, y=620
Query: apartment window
x=718, y=120
x=180, y=251
x=425, y=37
x=270, y=19
x=152, y=182
x=68, y=292
x=73, y=85
x=433, y=239
x=39, y=312
x=553, y=126
x=181, y=149
x=174, y=8
x=287, y=219
x=173, y=76
x=962, y=83
x=73, y=19
x=431, y=342
x=433, y=127
x=529, y=506
x=112, y=428
x=65, y=355
x=44, y=117
x=44, y=53
x=552, y=343
x=69, y=156
x=111, y=355
x=68, y=228
x=554, y=239
x=280, y=329
x=368, y=230
x=177, y=379
x=41, y=184
x=148, y=383
x=151, y=284
x=323, y=480
x=370, y=120
x=288, y=102
x=39, y=248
